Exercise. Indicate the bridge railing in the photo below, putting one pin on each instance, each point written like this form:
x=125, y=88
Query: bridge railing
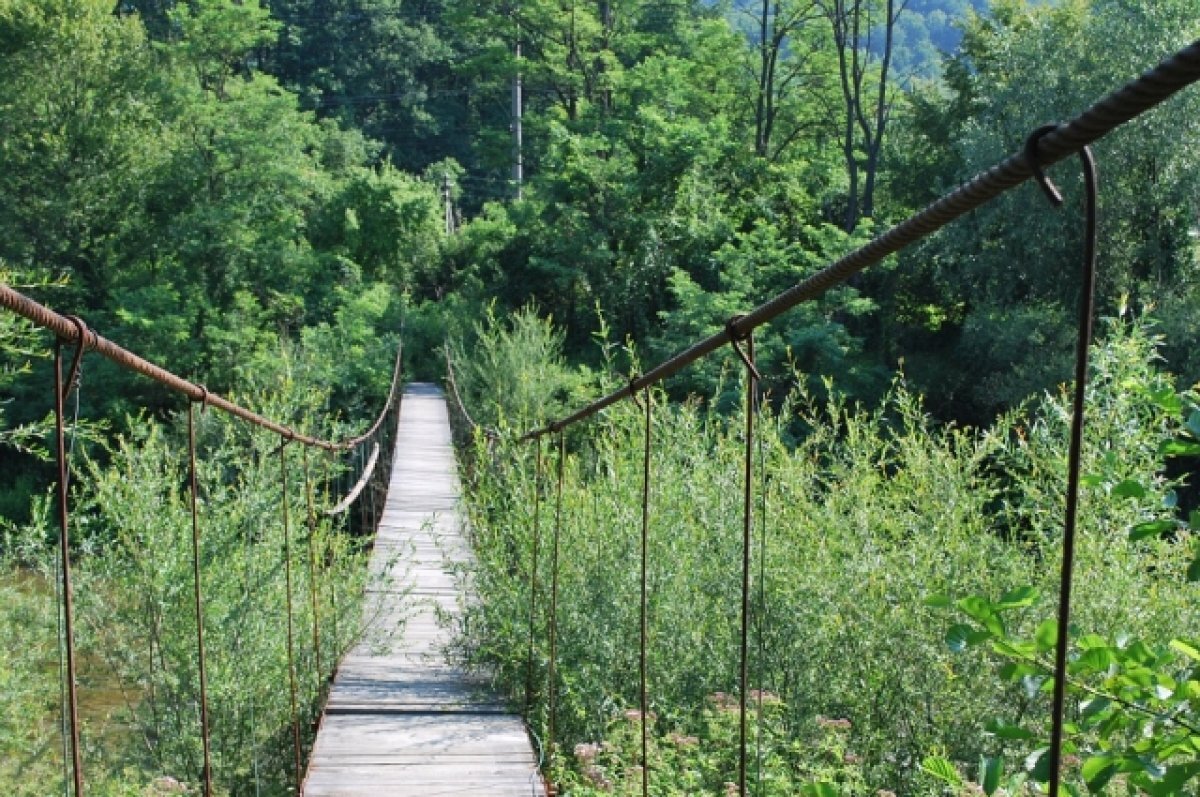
x=365, y=473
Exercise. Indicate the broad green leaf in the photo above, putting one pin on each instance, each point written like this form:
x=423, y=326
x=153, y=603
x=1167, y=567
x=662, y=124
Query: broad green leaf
x=1167, y=399
x=1046, y=636
x=1018, y=598
x=1003, y=730
x=1094, y=707
x=1037, y=764
x=982, y=610
x=1193, y=423
x=1016, y=650
x=1097, y=771
x=1150, y=528
x=1179, y=448
x=1185, y=648
x=821, y=789
x=1193, y=571
x=942, y=769
x=961, y=636
x=1094, y=660
x=1129, y=489
x=991, y=770
x=938, y=601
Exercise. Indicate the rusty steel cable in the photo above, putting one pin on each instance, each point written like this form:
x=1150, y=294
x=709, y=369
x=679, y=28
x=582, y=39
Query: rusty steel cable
x=71, y=329
x=533, y=571
x=291, y=643
x=761, y=657
x=1075, y=451
x=552, y=691
x=1135, y=98
x=64, y=542
x=752, y=377
x=199, y=602
x=644, y=631
x=310, y=502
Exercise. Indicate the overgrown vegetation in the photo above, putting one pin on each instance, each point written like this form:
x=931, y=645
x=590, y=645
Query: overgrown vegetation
x=863, y=517
x=135, y=618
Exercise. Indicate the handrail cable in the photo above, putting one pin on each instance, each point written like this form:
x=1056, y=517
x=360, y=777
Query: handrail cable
x=359, y=486
x=69, y=331
x=1133, y=99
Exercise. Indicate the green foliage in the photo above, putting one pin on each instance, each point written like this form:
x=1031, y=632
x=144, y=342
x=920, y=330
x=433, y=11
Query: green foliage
x=866, y=516
x=514, y=376
x=813, y=761
x=135, y=618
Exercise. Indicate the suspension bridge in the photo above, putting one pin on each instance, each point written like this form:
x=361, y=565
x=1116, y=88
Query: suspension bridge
x=401, y=719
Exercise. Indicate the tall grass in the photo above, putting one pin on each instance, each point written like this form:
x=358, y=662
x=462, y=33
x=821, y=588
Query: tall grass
x=136, y=625
x=861, y=515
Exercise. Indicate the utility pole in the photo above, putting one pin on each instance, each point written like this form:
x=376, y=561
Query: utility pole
x=518, y=169
x=449, y=204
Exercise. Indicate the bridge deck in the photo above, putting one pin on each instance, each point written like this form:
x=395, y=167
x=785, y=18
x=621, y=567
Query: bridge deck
x=401, y=720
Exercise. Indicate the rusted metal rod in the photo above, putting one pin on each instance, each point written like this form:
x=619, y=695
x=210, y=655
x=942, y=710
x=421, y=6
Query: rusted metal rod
x=1119, y=107
x=70, y=332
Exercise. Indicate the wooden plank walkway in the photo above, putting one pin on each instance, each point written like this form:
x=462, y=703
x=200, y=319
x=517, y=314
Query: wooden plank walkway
x=401, y=720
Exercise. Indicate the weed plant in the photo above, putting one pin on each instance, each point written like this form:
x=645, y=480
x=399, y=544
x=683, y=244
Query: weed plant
x=861, y=515
x=135, y=620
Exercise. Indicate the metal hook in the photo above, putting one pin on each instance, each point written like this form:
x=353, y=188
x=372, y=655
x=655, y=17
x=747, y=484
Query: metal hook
x=633, y=393
x=203, y=400
x=735, y=341
x=1031, y=157
x=73, y=377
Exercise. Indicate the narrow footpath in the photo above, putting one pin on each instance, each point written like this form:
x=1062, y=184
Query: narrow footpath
x=401, y=720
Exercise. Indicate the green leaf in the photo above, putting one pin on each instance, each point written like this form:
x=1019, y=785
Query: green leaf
x=1185, y=648
x=1046, y=636
x=1150, y=528
x=821, y=789
x=1179, y=448
x=1037, y=764
x=1193, y=571
x=1129, y=489
x=1015, y=650
x=938, y=601
x=1094, y=707
x=961, y=636
x=1002, y=730
x=1018, y=598
x=1094, y=660
x=942, y=769
x=981, y=609
x=991, y=770
x=1167, y=399
x=1193, y=423
x=1097, y=771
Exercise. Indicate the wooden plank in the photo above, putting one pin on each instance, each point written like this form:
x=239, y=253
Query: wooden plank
x=401, y=719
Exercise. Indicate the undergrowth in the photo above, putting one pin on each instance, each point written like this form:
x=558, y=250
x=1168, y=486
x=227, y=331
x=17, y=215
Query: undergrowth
x=861, y=518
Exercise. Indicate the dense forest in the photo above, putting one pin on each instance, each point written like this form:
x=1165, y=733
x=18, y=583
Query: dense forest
x=267, y=197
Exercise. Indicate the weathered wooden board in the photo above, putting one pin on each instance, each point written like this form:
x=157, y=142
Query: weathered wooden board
x=401, y=720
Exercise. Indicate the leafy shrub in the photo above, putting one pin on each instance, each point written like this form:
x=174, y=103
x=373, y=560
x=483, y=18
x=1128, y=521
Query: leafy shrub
x=863, y=518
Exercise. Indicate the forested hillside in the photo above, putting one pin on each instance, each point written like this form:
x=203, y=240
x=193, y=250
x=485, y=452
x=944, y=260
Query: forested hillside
x=267, y=197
